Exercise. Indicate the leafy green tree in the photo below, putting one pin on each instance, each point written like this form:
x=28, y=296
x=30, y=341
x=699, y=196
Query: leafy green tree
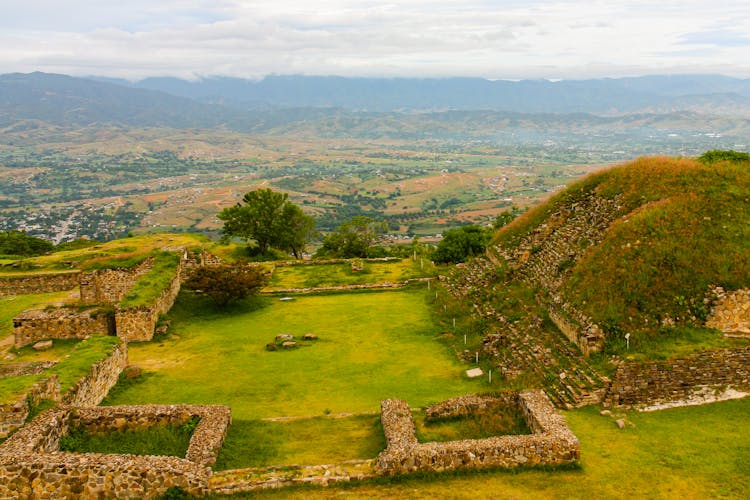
x=506, y=217
x=15, y=242
x=269, y=219
x=226, y=283
x=718, y=155
x=459, y=244
x=354, y=238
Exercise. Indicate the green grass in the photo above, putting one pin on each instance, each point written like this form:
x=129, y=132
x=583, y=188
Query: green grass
x=165, y=440
x=499, y=421
x=12, y=306
x=686, y=453
x=308, y=276
x=310, y=441
x=74, y=365
x=371, y=346
x=152, y=284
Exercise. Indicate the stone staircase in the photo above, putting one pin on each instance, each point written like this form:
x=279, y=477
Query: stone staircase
x=531, y=347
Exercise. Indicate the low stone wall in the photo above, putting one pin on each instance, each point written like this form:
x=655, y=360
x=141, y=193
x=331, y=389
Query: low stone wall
x=341, y=288
x=38, y=283
x=139, y=323
x=252, y=479
x=21, y=369
x=32, y=467
x=636, y=384
x=13, y=415
x=94, y=387
x=33, y=325
x=552, y=442
x=731, y=314
x=471, y=404
x=110, y=286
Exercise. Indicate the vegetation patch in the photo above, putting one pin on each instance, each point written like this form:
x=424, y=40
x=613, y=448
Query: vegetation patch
x=154, y=282
x=307, y=441
x=169, y=440
x=496, y=420
x=371, y=347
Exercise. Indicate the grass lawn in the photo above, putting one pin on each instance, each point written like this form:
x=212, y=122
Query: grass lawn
x=166, y=440
x=309, y=441
x=341, y=274
x=685, y=453
x=371, y=346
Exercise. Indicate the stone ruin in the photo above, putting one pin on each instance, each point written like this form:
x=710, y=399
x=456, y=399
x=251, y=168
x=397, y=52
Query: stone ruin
x=31, y=465
x=551, y=442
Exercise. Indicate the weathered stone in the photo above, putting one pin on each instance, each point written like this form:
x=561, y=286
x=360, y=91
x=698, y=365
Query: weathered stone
x=289, y=344
x=310, y=336
x=42, y=345
x=620, y=423
x=271, y=346
x=132, y=371
x=284, y=337
x=474, y=372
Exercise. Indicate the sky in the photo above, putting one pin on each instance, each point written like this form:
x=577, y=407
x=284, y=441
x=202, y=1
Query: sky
x=135, y=39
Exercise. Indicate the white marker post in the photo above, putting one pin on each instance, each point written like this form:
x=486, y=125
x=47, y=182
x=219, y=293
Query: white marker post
x=454, y=322
x=464, y=339
x=477, y=357
x=627, y=341
x=490, y=376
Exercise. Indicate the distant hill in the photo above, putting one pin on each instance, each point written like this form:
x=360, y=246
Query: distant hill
x=449, y=109
x=601, y=96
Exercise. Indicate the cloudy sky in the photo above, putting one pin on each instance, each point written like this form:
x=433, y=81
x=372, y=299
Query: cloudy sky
x=489, y=38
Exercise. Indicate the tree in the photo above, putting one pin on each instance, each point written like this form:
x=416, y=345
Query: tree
x=15, y=242
x=506, y=217
x=718, y=155
x=459, y=244
x=353, y=238
x=268, y=218
x=226, y=283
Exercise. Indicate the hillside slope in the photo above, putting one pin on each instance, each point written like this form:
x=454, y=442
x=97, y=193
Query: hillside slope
x=635, y=249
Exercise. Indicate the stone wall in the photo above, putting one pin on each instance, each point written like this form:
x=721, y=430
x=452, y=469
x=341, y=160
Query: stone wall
x=33, y=325
x=89, y=390
x=13, y=415
x=32, y=467
x=94, y=387
x=731, y=313
x=38, y=283
x=552, y=442
x=109, y=286
x=139, y=323
x=636, y=384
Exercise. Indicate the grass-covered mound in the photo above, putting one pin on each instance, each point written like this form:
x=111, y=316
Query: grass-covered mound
x=680, y=225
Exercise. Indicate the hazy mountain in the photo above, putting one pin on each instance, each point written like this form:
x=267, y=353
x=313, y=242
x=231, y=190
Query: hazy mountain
x=457, y=108
x=601, y=96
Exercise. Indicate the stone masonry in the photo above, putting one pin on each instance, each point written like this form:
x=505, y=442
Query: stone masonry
x=33, y=325
x=32, y=467
x=551, y=443
x=38, y=283
x=731, y=314
x=109, y=286
x=138, y=323
x=641, y=384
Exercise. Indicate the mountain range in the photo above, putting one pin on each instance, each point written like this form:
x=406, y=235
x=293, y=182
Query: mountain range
x=360, y=107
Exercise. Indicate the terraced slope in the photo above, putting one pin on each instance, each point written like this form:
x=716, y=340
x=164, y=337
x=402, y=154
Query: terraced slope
x=633, y=249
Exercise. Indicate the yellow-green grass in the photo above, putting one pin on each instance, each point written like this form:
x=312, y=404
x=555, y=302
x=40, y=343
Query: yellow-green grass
x=308, y=276
x=309, y=441
x=72, y=367
x=371, y=346
x=13, y=305
x=136, y=244
x=684, y=453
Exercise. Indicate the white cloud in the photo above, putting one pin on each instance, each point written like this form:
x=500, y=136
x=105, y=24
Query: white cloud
x=494, y=39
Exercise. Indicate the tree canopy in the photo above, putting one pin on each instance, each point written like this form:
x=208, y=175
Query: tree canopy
x=354, y=238
x=15, y=242
x=459, y=244
x=271, y=220
x=718, y=155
